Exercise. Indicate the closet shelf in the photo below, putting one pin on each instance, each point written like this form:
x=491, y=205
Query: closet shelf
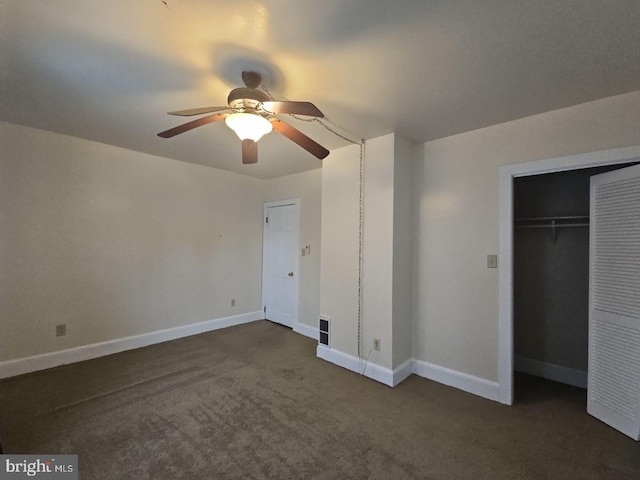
x=552, y=223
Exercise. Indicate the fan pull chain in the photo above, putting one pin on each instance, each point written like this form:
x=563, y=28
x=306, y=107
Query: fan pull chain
x=362, y=144
x=360, y=251
x=318, y=120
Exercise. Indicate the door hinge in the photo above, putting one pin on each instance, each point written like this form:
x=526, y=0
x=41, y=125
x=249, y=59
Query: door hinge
x=265, y=309
x=266, y=219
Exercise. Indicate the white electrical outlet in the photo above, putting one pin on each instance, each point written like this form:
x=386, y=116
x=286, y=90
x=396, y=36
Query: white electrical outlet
x=376, y=344
x=61, y=330
x=233, y=302
x=492, y=261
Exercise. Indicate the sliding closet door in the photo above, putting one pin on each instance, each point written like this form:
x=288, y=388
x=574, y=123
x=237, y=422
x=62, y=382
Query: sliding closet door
x=614, y=300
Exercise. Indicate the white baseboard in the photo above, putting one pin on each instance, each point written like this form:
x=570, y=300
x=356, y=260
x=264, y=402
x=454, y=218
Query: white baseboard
x=19, y=366
x=370, y=370
x=344, y=360
x=463, y=381
x=402, y=372
x=550, y=371
x=306, y=330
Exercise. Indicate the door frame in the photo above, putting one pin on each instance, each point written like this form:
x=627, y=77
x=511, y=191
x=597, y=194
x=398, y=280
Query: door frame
x=296, y=269
x=505, y=252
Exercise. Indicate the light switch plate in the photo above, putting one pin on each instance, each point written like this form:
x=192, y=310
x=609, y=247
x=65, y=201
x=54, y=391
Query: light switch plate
x=492, y=261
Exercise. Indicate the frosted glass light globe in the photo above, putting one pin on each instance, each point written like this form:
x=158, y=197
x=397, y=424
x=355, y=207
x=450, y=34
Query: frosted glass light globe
x=248, y=125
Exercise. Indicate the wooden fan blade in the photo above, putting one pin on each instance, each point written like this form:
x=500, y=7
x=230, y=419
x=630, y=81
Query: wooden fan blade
x=185, y=127
x=249, y=152
x=300, y=138
x=297, y=108
x=197, y=111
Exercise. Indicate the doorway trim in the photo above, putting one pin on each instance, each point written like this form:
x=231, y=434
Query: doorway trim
x=282, y=203
x=505, y=252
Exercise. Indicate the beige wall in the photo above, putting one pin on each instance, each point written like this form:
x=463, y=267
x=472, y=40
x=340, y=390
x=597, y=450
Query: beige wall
x=307, y=187
x=456, y=194
x=402, y=250
x=117, y=243
x=386, y=255
x=377, y=262
x=339, y=260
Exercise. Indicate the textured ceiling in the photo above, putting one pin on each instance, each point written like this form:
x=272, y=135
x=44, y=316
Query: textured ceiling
x=109, y=70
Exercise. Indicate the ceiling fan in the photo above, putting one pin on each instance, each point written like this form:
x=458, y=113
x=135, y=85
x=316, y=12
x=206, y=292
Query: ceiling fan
x=251, y=114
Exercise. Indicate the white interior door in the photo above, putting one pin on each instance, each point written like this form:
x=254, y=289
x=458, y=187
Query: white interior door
x=614, y=300
x=280, y=271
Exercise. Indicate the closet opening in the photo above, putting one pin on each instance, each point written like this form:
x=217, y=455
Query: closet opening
x=551, y=285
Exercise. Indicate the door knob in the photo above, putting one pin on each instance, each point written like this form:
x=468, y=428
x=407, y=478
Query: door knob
x=291, y=274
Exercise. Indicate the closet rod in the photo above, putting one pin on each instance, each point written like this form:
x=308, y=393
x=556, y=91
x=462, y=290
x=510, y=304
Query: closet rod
x=557, y=225
x=548, y=219
x=552, y=223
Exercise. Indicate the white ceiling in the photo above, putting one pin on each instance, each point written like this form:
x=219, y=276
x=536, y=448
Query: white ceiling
x=109, y=70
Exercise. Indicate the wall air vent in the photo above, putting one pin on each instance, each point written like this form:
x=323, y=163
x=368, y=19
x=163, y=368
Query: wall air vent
x=324, y=328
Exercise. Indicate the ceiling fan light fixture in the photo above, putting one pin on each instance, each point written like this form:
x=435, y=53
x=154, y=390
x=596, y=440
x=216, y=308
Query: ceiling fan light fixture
x=248, y=125
x=254, y=116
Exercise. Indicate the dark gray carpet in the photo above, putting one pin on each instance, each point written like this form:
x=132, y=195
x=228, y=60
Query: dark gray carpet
x=253, y=402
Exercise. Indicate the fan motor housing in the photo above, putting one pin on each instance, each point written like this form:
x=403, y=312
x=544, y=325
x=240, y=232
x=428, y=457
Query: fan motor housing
x=243, y=98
